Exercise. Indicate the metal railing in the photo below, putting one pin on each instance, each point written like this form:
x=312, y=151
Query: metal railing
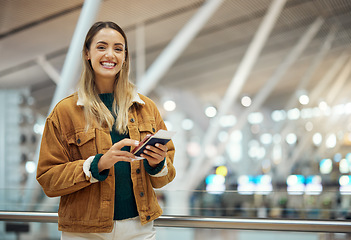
x=330, y=226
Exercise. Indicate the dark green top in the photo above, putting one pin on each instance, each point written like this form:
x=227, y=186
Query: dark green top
x=125, y=205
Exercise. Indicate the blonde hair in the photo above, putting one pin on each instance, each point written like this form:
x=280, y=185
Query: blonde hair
x=124, y=90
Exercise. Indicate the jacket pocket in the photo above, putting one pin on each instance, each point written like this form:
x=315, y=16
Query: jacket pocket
x=147, y=127
x=77, y=206
x=82, y=144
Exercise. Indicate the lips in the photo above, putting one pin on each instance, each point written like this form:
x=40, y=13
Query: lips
x=108, y=65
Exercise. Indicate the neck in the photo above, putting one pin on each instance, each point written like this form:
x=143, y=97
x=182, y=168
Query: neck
x=104, y=85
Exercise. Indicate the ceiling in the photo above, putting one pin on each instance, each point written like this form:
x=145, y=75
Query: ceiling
x=41, y=28
x=201, y=76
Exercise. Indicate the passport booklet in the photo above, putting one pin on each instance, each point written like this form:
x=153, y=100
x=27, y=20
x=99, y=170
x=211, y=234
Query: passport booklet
x=161, y=137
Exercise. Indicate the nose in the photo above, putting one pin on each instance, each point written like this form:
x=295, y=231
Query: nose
x=109, y=53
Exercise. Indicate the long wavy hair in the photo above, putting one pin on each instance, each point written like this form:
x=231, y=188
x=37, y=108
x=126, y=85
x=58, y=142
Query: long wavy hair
x=123, y=91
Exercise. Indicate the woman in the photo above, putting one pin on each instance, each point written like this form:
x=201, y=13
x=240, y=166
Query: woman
x=85, y=150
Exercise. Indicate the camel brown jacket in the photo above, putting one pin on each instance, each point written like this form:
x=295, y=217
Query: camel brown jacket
x=86, y=205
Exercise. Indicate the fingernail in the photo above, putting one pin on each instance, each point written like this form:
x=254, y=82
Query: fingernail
x=136, y=143
x=148, y=147
x=157, y=145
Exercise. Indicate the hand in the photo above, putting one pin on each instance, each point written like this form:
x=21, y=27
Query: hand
x=115, y=154
x=155, y=155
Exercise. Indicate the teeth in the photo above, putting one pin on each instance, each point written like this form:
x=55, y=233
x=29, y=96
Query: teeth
x=108, y=64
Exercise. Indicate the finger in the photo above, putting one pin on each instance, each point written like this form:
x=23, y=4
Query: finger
x=153, y=154
x=115, y=153
x=151, y=160
x=119, y=153
x=125, y=142
x=162, y=147
x=162, y=152
x=108, y=160
x=123, y=157
x=156, y=155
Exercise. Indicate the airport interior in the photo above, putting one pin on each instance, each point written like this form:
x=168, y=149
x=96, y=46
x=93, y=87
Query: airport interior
x=257, y=91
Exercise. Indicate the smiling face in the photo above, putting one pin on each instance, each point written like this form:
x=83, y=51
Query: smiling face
x=107, y=55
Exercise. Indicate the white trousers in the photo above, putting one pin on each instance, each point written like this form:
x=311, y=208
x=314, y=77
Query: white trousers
x=129, y=229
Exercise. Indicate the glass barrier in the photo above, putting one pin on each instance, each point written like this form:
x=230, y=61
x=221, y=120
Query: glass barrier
x=191, y=228
x=277, y=204
x=227, y=234
x=327, y=205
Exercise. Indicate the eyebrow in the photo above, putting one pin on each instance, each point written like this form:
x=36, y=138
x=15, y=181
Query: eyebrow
x=102, y=42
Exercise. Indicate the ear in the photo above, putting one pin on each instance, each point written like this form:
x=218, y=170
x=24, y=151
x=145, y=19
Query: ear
x=125, y=55
x=87, y=55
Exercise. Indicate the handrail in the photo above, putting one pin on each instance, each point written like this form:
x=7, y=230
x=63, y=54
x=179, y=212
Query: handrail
x=331, y=226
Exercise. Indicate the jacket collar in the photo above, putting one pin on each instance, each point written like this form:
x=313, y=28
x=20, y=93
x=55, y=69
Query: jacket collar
x=136, y=99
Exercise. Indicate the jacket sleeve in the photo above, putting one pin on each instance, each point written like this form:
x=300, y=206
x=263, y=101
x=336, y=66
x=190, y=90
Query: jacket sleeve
x=160, y=180
x=55, y=172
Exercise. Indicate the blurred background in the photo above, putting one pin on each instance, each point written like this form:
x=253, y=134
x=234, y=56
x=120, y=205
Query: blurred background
x=257, y=90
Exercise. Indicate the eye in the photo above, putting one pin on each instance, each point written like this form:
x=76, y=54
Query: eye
x=100, y=47
x=119, y=49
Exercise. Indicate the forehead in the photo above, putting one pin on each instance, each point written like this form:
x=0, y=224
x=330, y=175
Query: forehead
x=108, y=35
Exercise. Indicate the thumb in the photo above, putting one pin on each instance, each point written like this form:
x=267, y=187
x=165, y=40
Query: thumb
x=125, y=142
